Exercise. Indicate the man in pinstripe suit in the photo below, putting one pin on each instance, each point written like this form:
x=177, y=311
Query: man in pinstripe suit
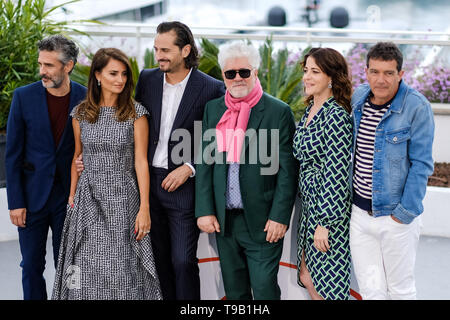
x=175, y=95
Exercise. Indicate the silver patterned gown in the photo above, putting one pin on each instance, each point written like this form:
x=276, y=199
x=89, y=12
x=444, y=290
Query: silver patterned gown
x=100, y=257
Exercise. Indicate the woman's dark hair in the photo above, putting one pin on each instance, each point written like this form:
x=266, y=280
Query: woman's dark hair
x=333, y=64
x=385, y=51
x=184, y=37
x=89, y=109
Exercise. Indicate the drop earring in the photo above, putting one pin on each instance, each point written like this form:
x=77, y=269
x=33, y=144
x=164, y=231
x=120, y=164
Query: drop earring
x=98, y=83
x=329, y=85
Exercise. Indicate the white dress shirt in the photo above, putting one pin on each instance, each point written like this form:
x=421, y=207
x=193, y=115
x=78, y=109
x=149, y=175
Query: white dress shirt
x=172, y=94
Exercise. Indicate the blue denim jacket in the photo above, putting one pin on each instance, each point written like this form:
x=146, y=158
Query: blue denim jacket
x=402, y=152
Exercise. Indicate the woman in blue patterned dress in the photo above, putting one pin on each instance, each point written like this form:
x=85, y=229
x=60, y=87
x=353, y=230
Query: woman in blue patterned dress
x=322, y=144
x=106, y=253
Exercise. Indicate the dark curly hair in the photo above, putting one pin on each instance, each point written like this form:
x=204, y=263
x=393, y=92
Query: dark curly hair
x=184, y=37
x=385, y=51
x=333, y=64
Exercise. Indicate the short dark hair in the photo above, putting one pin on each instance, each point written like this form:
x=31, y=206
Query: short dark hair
x=184, y=37
x=68, y=48
x=385, y=51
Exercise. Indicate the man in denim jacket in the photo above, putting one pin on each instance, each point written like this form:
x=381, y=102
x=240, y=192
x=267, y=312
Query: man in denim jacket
x=392, y=152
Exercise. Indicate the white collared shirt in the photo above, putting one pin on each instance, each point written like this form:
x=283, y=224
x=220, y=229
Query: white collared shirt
x=172, y=94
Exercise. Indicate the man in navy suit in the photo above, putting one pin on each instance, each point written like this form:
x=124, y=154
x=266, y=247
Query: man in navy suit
x=39, y=152
x=175, y=95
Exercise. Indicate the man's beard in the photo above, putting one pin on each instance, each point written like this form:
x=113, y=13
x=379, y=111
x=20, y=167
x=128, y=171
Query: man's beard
x=54, y=83
x=239, y=92
x=170, y=68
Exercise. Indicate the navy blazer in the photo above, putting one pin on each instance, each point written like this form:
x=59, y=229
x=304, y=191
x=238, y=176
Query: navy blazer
x=32, y=160
x=200, y=89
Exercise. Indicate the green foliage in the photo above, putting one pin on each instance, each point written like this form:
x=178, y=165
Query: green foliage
x=208, y=60
x=81, y=72
x=134, y=70
x=282, y=78
x=19, y=33
x=22, y=24
x=149, y=60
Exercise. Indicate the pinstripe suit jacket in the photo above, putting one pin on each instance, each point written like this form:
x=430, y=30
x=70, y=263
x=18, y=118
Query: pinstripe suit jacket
x=200, y=89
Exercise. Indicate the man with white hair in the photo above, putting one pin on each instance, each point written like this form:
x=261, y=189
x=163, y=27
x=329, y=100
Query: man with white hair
x=244, y=197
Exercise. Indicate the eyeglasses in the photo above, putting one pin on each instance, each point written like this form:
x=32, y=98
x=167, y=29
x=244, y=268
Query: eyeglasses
x=243, y=73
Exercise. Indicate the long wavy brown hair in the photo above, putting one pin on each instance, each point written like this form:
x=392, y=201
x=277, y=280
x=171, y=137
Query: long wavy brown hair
x=333, y=64
x=89, y=109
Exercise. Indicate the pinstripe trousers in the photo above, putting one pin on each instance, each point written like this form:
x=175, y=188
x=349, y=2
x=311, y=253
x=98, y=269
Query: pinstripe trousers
x=174, y=235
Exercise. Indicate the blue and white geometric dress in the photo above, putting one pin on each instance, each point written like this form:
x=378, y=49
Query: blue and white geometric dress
x=324, y=151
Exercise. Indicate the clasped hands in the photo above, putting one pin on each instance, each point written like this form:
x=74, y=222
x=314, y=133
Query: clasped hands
x=275, y=231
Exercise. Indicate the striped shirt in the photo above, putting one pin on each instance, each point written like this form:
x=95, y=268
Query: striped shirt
x=365, y=140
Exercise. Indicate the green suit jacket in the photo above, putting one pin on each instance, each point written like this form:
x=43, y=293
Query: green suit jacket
x=264, y=196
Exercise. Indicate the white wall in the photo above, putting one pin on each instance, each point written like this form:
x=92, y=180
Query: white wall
x=7, y=230
x=441, y=144
x=436, y=215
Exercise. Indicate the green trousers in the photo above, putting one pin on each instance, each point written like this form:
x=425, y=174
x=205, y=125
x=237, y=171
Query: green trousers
x=248, y=265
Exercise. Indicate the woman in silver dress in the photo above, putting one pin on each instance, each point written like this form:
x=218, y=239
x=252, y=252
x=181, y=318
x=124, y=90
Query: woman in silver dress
x=106, y=251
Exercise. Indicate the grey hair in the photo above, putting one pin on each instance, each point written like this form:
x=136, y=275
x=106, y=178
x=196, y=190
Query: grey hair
x=67, y=48
x=238, y=49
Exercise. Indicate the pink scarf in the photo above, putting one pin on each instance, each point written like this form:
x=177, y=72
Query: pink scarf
x=230, y=131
